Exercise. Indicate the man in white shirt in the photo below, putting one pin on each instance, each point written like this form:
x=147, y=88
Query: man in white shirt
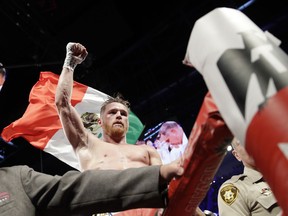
x=171, y=141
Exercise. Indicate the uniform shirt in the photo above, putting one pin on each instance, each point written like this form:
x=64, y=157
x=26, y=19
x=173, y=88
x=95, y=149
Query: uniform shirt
x=247, y=194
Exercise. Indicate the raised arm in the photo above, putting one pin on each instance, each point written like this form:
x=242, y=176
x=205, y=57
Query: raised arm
x=70, y=119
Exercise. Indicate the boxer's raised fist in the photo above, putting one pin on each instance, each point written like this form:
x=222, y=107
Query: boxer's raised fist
x=75, y=54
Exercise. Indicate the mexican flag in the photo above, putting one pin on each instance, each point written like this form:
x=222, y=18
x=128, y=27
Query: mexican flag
x=40, y=124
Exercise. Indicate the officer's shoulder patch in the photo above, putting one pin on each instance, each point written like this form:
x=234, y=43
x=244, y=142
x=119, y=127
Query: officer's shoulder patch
x=229, y=193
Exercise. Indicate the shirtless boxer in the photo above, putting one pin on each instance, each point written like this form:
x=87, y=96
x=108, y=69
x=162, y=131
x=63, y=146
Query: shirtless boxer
x=112, y=151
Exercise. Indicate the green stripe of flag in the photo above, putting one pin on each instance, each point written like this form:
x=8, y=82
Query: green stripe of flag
x=135, y=128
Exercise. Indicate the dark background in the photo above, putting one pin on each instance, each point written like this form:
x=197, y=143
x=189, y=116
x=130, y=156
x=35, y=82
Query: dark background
x=135, y=47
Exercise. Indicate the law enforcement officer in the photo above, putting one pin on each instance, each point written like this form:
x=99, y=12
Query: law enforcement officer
x=248, y=193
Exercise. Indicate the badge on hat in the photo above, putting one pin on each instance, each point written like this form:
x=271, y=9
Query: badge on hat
x=229, y=193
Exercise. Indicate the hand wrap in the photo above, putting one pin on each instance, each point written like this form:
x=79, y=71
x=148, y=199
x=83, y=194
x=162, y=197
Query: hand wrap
x=75, y=54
